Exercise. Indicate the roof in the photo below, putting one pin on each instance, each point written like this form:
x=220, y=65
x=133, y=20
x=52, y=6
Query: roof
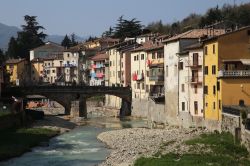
x=15, y=61
x=37, y=60
x=196, y=33
x=100, y=56
x=155, y=47
x=49, y=45
x=194, y=46
x=109, y=40
x=144, y=46
x=227, y=33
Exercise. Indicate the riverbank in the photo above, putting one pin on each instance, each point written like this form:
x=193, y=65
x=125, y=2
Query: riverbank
x=129, y=144
x=15, y=142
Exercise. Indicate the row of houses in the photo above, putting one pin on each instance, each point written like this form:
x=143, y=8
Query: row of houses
x=182, y=79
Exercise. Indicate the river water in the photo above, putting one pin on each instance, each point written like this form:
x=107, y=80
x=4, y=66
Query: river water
x=79, y=147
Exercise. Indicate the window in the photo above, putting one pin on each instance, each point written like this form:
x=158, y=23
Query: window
x=214, y=90
x=218, y=86
x=53, y=71
x=183, y=106
x=142, y=56
x=206, y=70
x=213, y=49
x=205, y=90
x=183, y=87
x=147, y=73
x=153, y=55
x=147, y=88
x=68, y=55
x=195, y=89
x=195, y=107
x=166, y=71
x=137, y=57
x=134, y=58
x=142, y=86
x=110, y=63
x=180, y=65
x=205, y=50
x=213, y=69
x=214, y=105
x=138, y=85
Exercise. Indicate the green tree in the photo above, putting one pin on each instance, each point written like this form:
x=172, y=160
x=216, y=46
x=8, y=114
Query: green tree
x=108, y=33
x=66, y=42
x=73, y=40
x=2, y=57
x=13, y=50
x=127, y=28
x=30, y=37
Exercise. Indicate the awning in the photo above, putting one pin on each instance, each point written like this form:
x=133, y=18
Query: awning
x=243, y=61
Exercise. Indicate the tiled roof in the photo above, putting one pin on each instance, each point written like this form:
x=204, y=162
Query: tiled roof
x=49, y=45
x=144, y=46
x=196, y=33
x=100, y=56
x=14, y=61
x=37, y=60
x=155, y=47
x=109, y=40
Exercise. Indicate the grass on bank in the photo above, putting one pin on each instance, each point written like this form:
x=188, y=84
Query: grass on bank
x=3, y=113
x=224, y=152
x=14, y=142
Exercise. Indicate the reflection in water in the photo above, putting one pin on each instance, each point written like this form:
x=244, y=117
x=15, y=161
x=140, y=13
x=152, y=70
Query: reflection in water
x=78, y=147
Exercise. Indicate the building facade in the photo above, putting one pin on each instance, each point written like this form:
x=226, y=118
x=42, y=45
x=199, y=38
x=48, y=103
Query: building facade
x=18, y=70
x=97, y=72
x=227, y=72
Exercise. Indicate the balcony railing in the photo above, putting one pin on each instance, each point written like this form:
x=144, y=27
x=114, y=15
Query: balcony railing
x=194, y=79
x=194, y=63
x=156, y=78
x=234, y=73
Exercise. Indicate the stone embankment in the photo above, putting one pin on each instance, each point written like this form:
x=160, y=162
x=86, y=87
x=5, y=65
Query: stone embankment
x=129, y=144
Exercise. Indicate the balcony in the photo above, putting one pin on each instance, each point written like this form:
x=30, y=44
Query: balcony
x=156, y=78
x=194, y=80
x=194, y=63
x=234, y=73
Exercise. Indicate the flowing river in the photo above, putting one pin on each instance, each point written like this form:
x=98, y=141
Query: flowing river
x=79, y=147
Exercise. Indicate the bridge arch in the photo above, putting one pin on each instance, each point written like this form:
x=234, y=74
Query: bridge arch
x=65, y=95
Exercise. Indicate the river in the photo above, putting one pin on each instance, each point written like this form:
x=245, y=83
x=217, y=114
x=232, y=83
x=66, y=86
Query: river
x=79, y=147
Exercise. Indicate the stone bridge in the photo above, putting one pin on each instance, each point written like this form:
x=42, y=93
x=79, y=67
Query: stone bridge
x=73, y=98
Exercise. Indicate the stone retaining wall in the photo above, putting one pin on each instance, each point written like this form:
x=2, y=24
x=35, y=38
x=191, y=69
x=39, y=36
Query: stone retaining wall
x=230, y=122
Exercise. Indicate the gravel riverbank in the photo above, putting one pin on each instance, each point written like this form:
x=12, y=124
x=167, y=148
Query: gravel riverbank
x=129, y=144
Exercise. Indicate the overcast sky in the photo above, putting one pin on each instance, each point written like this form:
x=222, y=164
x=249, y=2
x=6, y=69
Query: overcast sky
x=92, y=17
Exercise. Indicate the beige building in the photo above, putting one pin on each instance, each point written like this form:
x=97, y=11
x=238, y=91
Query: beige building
x=53, y=69
x=114, y=76
x=71, y=66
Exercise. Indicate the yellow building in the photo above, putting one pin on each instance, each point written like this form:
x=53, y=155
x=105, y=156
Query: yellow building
x=18, y=70
x=226, y=72
x=37, y=70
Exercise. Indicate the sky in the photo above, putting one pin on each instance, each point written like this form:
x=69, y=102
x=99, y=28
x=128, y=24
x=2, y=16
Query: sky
x=92, y=17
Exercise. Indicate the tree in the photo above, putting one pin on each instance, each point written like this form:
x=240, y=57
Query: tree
x=66, y=42
x=30, y=37
x=127, y=28
x=12, y=51
x=108, y=33
x=2, y=57
x=73, y=40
